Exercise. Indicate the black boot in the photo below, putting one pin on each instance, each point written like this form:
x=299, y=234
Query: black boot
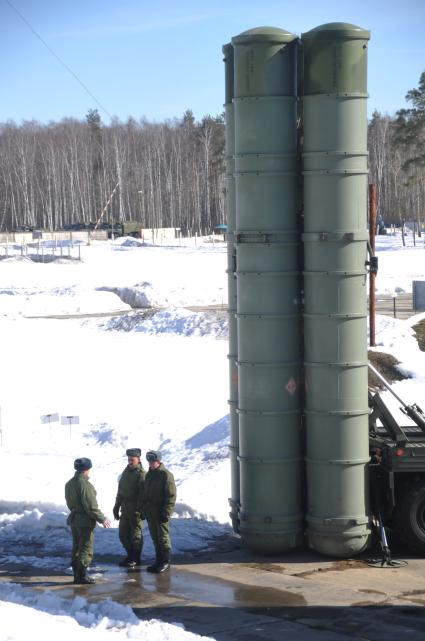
x=75, y=571
x=164, y=564
x=128, y=561
x=156, y=563
x=81, y=577
x=136, y=558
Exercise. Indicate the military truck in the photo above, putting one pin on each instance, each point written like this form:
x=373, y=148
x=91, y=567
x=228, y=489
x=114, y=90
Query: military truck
x=397, y=468
x=128, y=228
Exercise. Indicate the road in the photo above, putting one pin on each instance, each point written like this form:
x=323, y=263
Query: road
x=400, y=307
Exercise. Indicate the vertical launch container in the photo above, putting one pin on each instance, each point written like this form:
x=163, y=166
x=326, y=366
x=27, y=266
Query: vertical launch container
x=231, y=284
x=268, y=300
x=335, y=245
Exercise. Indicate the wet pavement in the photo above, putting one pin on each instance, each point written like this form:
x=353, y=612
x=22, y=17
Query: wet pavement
x=229, y=593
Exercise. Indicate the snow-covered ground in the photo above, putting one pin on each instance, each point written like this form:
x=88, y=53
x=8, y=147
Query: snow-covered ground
x=137, y=379
x=35, y=616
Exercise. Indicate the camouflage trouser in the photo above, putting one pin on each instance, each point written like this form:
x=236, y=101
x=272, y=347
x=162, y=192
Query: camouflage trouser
x=130, y=532
x=82, y=546
x=160, y=533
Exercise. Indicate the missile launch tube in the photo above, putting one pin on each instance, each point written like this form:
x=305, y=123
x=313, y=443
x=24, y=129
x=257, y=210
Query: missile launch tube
x=231, y=285
x=268, y=300
x=335, y=333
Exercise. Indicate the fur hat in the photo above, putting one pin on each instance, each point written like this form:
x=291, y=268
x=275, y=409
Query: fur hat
x=153, y=455
x=82, y=464
x=134, y=451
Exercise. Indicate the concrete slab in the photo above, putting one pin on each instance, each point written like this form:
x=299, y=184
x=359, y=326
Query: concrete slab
x=229, y=593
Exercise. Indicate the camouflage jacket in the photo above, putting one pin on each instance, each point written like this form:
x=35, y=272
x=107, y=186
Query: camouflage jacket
x=130, y=488
x=80, y=497
x=159, y=492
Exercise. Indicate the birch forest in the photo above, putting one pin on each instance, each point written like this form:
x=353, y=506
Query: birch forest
x=397, y=160
x=171, y=174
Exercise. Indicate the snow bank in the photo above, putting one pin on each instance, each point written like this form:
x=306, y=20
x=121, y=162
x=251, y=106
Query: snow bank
x=180, y=322
x=39, y=536
x=36, y=616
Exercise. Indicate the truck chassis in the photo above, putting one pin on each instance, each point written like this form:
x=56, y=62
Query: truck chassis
x=397, y=470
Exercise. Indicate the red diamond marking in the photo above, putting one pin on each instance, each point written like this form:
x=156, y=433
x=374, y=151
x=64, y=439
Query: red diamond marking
x=291, y=386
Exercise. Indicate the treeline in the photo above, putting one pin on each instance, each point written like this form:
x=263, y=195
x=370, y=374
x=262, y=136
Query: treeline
x=397, y=159
x=170, y=174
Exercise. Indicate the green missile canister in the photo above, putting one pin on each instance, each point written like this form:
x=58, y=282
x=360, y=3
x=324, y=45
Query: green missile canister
x=335, y=304
x=268, y=289
x=231, y=284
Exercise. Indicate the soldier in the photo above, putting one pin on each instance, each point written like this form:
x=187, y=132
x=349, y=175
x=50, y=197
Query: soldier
x=80, y=497
x=158, y=500
x=130, y=487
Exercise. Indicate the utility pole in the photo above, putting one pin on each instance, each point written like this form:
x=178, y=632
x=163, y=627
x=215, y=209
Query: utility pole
x=104, y=210
x=372, y=273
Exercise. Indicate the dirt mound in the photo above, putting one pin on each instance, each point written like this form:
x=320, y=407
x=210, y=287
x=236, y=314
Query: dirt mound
x=387, y=366
x=419, y=330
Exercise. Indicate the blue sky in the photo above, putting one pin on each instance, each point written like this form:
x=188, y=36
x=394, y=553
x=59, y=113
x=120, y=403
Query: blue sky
x=156, y=59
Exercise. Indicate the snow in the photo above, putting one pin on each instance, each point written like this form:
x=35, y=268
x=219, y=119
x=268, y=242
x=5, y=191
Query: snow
x=31, y=616
x=114, y=339
x=398, y=265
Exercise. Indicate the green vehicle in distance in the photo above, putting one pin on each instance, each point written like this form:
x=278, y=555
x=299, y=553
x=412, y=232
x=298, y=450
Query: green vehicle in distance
x=128, y=228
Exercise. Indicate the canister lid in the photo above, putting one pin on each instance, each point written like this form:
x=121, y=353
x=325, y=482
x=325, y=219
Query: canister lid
x=335, y=30
x=264, y=34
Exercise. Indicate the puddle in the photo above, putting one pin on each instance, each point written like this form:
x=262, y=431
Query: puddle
x=178, y=587
x=232, y=594
x=214, y=591
x=261, y=597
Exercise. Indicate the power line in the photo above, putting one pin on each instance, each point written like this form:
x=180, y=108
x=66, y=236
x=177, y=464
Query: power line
x=58, y=58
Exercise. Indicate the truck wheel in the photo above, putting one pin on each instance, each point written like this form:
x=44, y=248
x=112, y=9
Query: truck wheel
x=409, y=515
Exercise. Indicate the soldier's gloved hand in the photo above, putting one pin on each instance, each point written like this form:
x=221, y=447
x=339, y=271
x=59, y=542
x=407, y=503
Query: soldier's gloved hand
x=116, y=512
x=163, y=516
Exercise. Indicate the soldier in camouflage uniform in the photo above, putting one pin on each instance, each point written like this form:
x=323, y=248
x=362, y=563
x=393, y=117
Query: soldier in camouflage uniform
x=126, y=508
x=158, y=500
x=80, y=497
